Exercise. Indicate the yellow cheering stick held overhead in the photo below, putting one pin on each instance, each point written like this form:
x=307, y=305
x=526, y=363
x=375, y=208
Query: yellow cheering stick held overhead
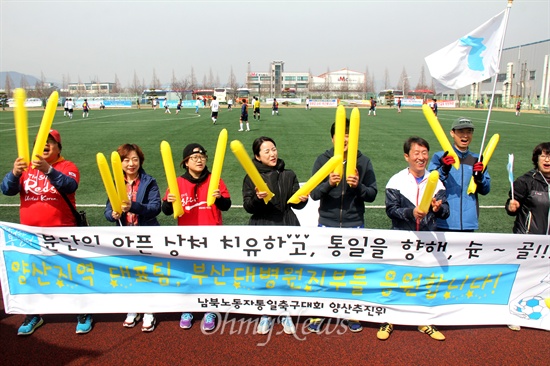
x=487, y=154
x=426, y=201
x=238, y=150
x=107, y=179
x=317, y=178
x=217, y=167
x=439, y=134
x=353, y=142
x=339, y=136
x=45, y=126
x=168, y=162
x=21, y=125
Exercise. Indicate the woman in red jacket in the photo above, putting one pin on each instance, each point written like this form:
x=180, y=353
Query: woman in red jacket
x=193, y=187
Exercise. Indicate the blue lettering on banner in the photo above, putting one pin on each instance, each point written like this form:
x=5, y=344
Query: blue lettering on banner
x=378, y=283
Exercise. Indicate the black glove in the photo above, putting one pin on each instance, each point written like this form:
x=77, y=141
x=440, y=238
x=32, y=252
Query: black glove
x=447, y=162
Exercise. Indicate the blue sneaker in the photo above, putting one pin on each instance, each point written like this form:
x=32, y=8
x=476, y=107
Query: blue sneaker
x=30, y=324
x=84, y=324
x=208, y=322
x=354, y=326
x=186, y=321
x=265, y=325
x=315, y=325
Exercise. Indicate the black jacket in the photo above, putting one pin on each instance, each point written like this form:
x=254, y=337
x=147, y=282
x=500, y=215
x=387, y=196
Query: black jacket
x=283, y=183
x=533, y=193
x=343, y=206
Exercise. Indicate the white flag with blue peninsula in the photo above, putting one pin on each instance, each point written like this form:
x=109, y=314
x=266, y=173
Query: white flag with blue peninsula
x=471, y=59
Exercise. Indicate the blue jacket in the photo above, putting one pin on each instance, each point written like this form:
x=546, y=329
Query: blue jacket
x=464, y=207
x=147, y=204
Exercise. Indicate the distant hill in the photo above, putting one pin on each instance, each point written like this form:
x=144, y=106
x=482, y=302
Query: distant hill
x=15, y=78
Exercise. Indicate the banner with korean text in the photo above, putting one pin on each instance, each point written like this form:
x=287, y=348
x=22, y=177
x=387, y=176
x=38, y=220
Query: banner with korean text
x=402, y=277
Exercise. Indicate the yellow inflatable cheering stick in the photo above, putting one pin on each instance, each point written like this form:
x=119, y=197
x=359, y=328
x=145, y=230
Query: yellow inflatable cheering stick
x=238, y=150
x=426, y=201
x=45, y=126
x=317, y=178
x=168, y=162
x=21, y=125
x=339, y=135
x=217, y=167
x=353, y=142
x=118, y=174
x=107, y=179
x=487, y=153
x=439, y=134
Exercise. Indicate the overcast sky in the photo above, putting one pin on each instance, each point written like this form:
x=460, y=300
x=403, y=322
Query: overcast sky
x=96, y=40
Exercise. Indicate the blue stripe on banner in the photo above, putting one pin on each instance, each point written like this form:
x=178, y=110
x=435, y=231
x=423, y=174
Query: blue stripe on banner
x=377, y=283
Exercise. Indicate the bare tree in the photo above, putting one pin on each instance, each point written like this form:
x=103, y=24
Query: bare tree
x=8, y=85
x=232, y=82
x=155, y=82
x=217, y=81
x=204, y=82
x=386, y=79
x=328, y=84
x=193, y=79
x=136, y=87
x=117, y=88
x=179, y=86
x=210, y=83
x=422, y=80
x=23, y=83
x=404, y=81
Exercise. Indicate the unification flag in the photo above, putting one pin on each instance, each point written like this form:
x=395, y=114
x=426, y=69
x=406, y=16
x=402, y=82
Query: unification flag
x=471, y=59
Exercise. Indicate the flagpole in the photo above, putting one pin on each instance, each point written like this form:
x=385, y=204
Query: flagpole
x=508, y=7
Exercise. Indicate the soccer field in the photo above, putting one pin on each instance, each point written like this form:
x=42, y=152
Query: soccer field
x=300, y=135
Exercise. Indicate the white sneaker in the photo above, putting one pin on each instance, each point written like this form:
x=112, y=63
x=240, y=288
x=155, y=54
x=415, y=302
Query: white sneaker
x=288, y=325
x=240, y=130
x=148, y=323
x=265, y=325
x=131, y=320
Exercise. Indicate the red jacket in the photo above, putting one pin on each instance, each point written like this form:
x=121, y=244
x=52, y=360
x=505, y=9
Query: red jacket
x=193, y=198
x=41, y=203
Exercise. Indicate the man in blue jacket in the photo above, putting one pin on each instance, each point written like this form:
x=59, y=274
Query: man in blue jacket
x=464, y=207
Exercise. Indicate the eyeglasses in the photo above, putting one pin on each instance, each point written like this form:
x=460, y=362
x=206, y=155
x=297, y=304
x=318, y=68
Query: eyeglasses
x=197, y=158
x=544, y=157
x=51, y=142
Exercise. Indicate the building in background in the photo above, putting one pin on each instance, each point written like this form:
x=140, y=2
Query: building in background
x=99, y=88
x=278, y=83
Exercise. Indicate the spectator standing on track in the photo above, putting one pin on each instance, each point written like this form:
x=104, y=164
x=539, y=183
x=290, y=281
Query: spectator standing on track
x=42, y=186
x=283, y=183
x=464, y=207
x=141, y=209
x=342, y=201
x=193, y=187
x=404, y=192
